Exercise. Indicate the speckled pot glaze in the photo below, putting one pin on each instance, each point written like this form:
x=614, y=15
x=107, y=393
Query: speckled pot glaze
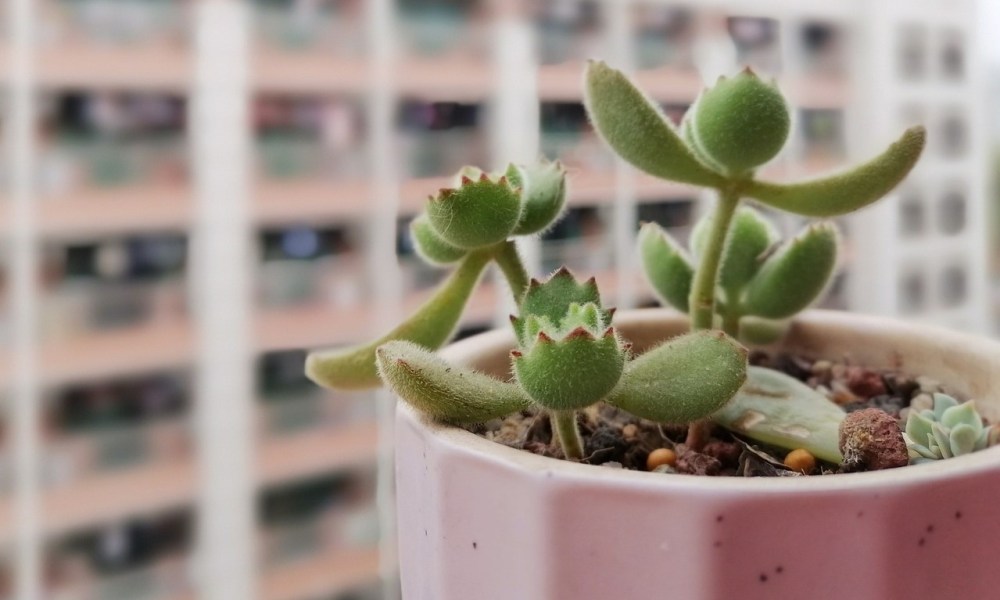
x=480, y=521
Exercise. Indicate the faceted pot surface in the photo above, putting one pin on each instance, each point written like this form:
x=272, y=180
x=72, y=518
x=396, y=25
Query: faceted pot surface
x=480, y=520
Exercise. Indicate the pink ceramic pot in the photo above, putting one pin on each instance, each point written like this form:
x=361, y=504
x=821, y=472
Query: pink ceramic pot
x=480, y=521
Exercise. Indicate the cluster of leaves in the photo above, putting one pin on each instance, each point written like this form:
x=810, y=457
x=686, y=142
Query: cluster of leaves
x=762, y=282
x=948, y=429
x=738, y=275
x=569, y=357
x=469, y=224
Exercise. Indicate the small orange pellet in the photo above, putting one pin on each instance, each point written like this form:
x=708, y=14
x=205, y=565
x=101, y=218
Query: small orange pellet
x=630, y=431
x=660, y=457
x=800, y=460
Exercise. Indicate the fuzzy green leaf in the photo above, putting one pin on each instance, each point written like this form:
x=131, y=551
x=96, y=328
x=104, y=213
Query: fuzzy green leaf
x=682, y=380
x=794, y=276
x=845, y=192
x=445, y=392
x=480, y=213
x=572, y=372
x=543, y=195
x=636, y=129
x=741, y=122
x=430, y=326
x=687, y=134
x=430, y=246
x=666, y=265
x=553, y=298
x=760, y=332
x=774, y=408
x=750, y=236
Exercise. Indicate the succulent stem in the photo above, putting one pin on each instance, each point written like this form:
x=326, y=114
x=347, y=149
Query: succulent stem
x=512, y=266
x=698, y=434
x=707, y=273
x=731, y=322
x=430, y=326
x=564, y=426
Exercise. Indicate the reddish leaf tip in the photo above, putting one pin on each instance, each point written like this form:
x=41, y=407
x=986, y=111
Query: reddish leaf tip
x=578, y=333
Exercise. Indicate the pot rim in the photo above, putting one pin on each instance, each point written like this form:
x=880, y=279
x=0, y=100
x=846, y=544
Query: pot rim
x=464, y=441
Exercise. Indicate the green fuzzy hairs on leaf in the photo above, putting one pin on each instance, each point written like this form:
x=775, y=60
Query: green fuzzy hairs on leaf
x=480, y=213
x=551, y=300
x=794, y=276
x=543, y=195
x=430, y=246
x=776, y=409
x=430, y=326
x=847, y=191
x=740, y=123
x=683, y=380
x=572, y=371
x=750, y=237
x=637, y=130
x=666, y=266
x=445, y=392
x=687, y=134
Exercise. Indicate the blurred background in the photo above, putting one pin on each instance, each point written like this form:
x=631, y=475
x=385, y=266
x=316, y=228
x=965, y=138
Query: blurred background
x=196, y=192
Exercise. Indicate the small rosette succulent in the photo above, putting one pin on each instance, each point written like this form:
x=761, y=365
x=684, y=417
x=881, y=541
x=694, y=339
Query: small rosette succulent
x=947, y=430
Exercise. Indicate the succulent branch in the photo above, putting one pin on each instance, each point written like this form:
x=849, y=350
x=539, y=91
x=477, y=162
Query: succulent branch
x=637, y=130
x=762, y=281
x=430, y=326
x=469, y=224
x=737, y=275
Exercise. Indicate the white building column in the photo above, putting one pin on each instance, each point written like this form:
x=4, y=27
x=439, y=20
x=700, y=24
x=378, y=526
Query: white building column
x=221, y=262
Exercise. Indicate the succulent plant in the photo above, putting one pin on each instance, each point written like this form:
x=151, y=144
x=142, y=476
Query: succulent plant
x=947, y=430
x=569, y=357
x=737, y=274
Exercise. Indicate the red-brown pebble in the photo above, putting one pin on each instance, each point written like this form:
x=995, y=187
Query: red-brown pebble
x=871, y=440
x=864, y=382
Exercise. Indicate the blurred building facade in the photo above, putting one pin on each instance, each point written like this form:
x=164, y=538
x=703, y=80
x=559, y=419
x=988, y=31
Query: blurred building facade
x=354, y=112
